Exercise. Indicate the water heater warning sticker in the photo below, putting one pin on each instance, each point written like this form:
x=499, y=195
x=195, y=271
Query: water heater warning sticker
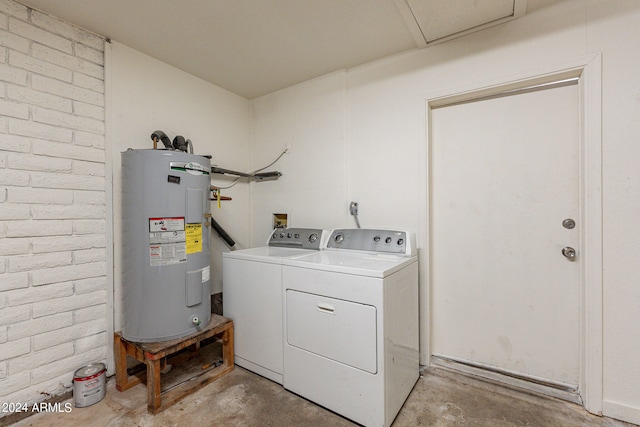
x=166, y=224
x=167, y=241
x=194, y=238
x=166, y=237
x=167, y=254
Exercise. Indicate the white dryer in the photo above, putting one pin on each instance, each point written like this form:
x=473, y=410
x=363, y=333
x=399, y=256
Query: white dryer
x=252, y=296
x=351, y=324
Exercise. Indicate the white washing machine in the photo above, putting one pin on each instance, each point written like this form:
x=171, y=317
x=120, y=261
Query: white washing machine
x=252, y=296
x=351, y=324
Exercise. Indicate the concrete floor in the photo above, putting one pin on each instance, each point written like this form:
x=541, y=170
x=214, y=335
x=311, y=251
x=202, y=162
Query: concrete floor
x=241, y=398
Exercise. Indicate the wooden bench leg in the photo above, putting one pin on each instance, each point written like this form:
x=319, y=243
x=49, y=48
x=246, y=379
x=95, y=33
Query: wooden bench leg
x=122, y=349
x=227, y=346
x=122, y=376
x=153, y=385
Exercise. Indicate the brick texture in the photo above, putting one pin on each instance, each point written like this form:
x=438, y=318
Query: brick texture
x=52, y=203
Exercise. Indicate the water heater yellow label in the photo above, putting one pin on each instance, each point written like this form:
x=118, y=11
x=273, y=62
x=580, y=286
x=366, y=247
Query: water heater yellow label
x=194, y=238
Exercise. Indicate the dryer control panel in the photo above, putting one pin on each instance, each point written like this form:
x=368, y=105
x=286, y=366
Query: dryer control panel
x=305, y=238
x=384, y=241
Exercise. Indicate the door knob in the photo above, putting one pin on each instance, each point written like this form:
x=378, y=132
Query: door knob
x=569, y=253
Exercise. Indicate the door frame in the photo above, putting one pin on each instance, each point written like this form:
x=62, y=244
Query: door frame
x=588, y=70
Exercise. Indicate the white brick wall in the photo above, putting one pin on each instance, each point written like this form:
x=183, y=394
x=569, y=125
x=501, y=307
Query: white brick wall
x=52, y=203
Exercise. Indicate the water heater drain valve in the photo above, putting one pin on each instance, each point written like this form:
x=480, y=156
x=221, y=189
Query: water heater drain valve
x=195, y=320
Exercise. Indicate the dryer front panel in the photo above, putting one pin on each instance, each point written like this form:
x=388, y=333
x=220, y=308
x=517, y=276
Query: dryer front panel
x=339, y=330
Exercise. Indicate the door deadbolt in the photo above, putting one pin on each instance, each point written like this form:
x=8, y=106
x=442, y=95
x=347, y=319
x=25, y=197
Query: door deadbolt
x=568, y=223
x=569, y=253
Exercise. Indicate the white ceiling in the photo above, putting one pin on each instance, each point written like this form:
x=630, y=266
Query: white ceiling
x=254, y=47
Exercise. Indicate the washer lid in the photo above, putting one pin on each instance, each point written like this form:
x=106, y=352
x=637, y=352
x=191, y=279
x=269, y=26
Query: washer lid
x=267, y=254
x=350, y=262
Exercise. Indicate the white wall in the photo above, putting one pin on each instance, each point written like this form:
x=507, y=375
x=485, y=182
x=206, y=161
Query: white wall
x=613, y=30
x=53, y=275
x=372, y=120
x=310, y=119
x=145, y=95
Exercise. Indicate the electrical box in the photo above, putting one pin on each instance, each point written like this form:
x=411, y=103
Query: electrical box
x=280, y=220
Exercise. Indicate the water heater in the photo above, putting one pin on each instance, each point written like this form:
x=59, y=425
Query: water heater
x=166, y=283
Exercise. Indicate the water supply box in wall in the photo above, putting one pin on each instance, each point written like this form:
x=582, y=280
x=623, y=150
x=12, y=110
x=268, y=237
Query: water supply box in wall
x=166, y=283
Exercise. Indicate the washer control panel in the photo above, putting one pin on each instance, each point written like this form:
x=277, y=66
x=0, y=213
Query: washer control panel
x=305, y=238
x=385, y=241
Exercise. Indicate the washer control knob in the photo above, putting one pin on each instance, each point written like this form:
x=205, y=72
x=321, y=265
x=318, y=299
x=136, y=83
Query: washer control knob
x=282, y=235
x=313, y=237
x=275, y=235
x=297, y=235
x=289, y=235
x=339, y=238
x=387, y=240
x=400, y=242
x=376, y=239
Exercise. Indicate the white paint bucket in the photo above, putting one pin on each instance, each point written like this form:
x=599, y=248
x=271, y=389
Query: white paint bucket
x=89, y=384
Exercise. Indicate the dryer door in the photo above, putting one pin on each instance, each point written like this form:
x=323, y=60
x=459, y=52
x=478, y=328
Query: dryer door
x=339, y=330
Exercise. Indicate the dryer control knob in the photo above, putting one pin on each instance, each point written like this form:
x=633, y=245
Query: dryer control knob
x=313, y=237
x=339, y=238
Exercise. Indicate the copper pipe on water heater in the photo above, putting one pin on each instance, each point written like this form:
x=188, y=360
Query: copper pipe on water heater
x=159, y=135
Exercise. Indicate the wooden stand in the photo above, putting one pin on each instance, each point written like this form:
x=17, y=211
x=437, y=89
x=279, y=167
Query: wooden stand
x=152, y=354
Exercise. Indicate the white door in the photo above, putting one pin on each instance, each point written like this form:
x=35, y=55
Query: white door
x=504, y=177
